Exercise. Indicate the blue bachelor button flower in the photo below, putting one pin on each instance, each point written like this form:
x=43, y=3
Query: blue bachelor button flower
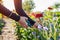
x=34, y=33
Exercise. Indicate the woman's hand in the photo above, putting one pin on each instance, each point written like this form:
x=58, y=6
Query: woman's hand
x=35, y=25
x=23, y=22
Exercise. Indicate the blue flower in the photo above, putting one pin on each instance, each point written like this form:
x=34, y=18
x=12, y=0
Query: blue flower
x=34, y=33
x=38, y=36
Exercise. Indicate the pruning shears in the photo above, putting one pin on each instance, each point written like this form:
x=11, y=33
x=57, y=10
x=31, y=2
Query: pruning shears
x=28, y=23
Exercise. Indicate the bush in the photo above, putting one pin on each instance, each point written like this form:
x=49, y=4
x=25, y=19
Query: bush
x=2, y=23
x=52, y=23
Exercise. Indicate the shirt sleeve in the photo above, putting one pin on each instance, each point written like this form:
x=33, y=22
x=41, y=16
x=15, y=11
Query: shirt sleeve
x=20, y=11
x=7, y=12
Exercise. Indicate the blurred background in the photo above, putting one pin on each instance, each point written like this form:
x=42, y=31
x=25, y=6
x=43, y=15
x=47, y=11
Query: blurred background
x=50, y=9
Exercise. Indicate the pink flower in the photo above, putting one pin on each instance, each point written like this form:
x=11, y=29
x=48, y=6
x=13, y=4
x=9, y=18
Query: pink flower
x=39, y=26
x=45, y=28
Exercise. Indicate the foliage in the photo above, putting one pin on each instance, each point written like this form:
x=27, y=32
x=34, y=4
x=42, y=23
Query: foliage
x=50, y=20
x=56, y=5
x=28, y=5
x=0, y=16
x=2, y=23
x=26, y=34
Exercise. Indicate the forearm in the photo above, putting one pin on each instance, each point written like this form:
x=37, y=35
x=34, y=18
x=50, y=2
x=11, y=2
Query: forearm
x=7, y=12
x=20, y=11
x=18, y=7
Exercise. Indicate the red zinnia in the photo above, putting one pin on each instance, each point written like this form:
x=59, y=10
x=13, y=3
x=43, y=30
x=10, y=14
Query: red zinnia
x=39, y=15
x=50, y=8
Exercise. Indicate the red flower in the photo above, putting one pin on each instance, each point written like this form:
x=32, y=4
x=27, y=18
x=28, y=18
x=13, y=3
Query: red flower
x=39, y=15
x=50, y=8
